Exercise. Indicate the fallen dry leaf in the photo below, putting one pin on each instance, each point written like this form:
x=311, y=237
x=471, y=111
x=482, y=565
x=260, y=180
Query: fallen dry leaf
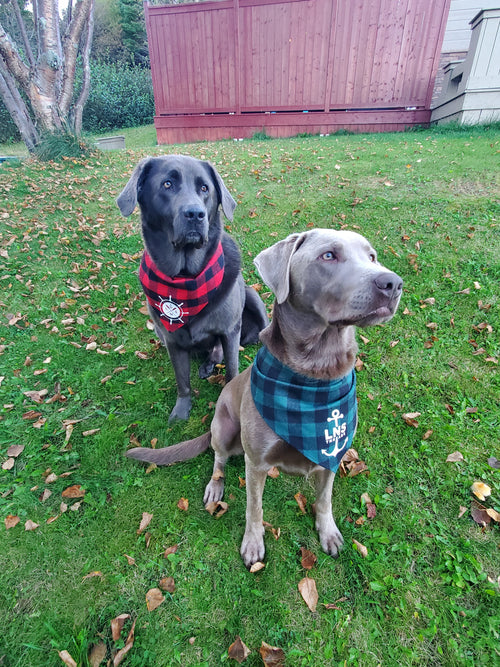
x=454, y=457
x=167, y=584
x=462, y=511
x=93, y=574
x=9, y=464
x=356, y=468
x=130, y=560
x=480, y=515
x=15, y=451
x=67, y=659
x=301, y=502
x=493, y=462
x=363, y=551
x=371, y=510
x=307, y=588
x=481, y=490
x=30, y=525
x=128, y=645
x=494, y=514
x=183, y=504
x=117, y=626
x=238, y=651
x=97, y=654
x=411, y=418
x=308, y=560
x=74, y=491
x=145, y=521
x=218, y=508
x=45, y=495
x=11, y=521
x=170, y=550
x=273, y=472
x=154, y=598
x=272, y=656
x=258, y=565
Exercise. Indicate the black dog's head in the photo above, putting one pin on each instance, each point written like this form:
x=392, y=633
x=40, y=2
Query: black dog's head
x=179, y=198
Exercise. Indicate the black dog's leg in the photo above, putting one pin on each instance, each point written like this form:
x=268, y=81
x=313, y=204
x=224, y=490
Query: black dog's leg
x=215, y=356
x=254, y=317
x=181, y=363
x=231, y=347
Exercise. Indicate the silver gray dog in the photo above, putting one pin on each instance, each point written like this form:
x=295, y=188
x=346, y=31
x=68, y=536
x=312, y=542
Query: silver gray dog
x=326, y=283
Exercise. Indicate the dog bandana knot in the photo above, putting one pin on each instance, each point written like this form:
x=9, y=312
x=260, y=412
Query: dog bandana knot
x=178, y=299
x=317, y=417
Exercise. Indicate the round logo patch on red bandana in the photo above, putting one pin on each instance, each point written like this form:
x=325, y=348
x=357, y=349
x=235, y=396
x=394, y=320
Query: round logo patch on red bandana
x=171, y=310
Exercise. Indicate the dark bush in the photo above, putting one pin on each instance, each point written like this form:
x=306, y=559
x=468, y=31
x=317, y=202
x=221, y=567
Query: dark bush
x=8, y=130
x=120, y=96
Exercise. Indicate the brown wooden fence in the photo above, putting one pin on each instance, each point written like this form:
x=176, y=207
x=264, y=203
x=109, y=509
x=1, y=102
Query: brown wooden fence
x=231, y=68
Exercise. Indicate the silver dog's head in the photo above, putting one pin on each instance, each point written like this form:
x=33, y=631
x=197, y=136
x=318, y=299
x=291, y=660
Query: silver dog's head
x=334, y=274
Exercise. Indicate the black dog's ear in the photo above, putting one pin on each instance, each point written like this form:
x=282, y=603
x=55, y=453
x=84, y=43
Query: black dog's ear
x=226, y=201
x=127, y=199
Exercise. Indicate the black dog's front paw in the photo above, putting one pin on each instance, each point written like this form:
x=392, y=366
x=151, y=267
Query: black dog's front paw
x=181, y=410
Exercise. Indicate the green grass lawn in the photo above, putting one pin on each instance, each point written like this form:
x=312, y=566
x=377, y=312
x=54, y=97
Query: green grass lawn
x=82, y=377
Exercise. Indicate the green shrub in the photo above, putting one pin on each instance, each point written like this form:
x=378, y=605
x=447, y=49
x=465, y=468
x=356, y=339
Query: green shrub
x=120, y=96
x=55, y=146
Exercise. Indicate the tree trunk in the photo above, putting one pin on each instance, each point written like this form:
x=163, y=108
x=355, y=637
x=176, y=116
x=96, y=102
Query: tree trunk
x=47, y=78
x=84, y=93
x=17, y=108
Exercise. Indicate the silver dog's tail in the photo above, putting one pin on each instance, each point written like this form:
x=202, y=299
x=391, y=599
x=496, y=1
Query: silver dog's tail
x=165, y=456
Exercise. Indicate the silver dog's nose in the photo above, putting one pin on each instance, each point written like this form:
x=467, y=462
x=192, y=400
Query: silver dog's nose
x=390, y=284
x=194, y=213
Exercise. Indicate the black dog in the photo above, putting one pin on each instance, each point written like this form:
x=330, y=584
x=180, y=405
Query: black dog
x=190, y=271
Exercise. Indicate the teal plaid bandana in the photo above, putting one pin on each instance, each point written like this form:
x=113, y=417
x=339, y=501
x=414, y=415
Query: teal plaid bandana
x=317, y=417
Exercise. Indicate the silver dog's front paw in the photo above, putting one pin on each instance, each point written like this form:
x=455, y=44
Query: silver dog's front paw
x=331, y=541
x=252, y=549
x=214, y=491
x=181, y=409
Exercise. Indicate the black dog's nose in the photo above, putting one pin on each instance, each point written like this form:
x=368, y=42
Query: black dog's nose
x=390, y=284
x=194, y=213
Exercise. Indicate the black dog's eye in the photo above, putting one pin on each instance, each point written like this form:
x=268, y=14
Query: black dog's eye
x=167, y=184
x=204, y=188
x=328, y=256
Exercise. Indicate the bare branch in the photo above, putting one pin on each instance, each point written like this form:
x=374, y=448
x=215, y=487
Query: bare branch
x=81, y=14
x=84, y=93
x=13, y=61
x=24, y=34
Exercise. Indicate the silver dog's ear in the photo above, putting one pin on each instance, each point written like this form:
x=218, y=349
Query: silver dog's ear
x=273, y=264
x=127, y=199
x=227, y=202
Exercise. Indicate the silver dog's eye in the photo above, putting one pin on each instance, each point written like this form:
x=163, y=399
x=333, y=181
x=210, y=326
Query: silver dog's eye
x=373, y=257
x=204, y=188
x=167, y=184
x=328, y=256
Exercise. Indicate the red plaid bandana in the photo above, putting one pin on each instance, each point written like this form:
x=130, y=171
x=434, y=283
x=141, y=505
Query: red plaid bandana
x=178, y=299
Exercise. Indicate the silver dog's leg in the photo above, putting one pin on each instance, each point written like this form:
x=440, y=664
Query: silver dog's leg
x=214, y=490
x=329, y=535
x=252, y=547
